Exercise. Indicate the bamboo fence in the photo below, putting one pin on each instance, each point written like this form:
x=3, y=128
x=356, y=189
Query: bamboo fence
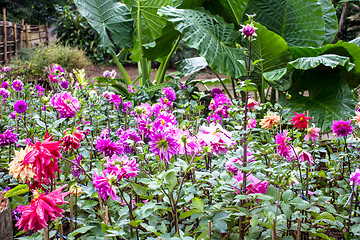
x=15, y=36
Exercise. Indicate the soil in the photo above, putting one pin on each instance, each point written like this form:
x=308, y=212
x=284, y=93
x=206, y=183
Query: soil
x=132, y=70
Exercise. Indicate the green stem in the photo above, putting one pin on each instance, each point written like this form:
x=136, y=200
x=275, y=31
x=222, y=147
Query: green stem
x=222, y=83
x=164, y=65
x=143, y=61
x=122, y=71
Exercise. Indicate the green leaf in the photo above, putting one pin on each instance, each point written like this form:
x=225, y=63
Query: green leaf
x=57, y=122
x=191, y=4
x=328, y=60
x=287, y=195
x=327, y=216
x=82, y=230
x=187, y=213
x=231, y=10
x=329, y=97
x=108, y=16
x=151, y=23
x=306, y=63
x=140, y=190
x=274, y=53
x=198, y=204
x=331, y=22
x=299, y=22
x=19, y=189
x=286, y=210
x=163, y=44
x=211, y=36
x=191, y=65
x=171, y=179
x=300, y=204
x=40, y=123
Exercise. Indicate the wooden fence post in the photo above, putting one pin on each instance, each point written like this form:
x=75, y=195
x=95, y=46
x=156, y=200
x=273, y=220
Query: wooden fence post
x=5, y=35
x=15, y=39
x=27, y=35
x=40, y=34
x=22, y=34
x=47, y=34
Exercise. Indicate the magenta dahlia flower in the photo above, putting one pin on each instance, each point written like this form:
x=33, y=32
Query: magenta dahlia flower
x=187, y=144
x=164, y=120
x=163, y=145
x=65, y=104
x=215, y=92
x=5, y=94
x=115, y=99
x=64, y=84
x=109, y=148
x=222, y=100
x=312, y=133
x=104, y=184
x=18, y=85
x=170, y=94
x=5, y=85
x=248, y=30
x=8, y=137
x=254, y=185
x=342, y=128
x=122, y=167
x=20, y=106
x=355, y=176
x=283, y=149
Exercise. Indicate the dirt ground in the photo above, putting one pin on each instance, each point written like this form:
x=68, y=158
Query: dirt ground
x=132, y=70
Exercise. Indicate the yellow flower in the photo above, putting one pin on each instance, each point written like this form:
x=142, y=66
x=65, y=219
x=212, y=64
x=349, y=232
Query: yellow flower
x=24, y=172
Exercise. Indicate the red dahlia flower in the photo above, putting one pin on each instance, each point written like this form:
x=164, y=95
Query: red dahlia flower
x=42, y=209
x=72, y=141
x=44, y=157
x=300, y=121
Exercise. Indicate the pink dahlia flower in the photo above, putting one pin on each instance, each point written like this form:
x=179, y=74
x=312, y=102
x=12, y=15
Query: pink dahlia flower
x=163, y=145
x=253, y=185
x=44, y=157
x=342, y=128
x=283, y=149
x=355, y=176
x=104, y=184
x=216, y=137
x=312, y=133
x=65, y=104
x=42, y=209
x=122, y=167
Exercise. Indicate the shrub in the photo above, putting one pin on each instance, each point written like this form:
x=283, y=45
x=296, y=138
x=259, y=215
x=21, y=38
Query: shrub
x=67, y=57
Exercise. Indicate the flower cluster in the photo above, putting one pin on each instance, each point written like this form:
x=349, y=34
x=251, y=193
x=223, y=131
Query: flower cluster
x=65, y=104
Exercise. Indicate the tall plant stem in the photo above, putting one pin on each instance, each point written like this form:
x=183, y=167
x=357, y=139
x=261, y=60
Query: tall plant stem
x=163, y=66
x=351, y=205
x=276, y=213
x=122, y=70
x=143, y=62
x=222, y=83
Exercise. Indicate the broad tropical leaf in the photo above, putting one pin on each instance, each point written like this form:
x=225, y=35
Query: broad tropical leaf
x=231, y=10
x=211, y=36
x=162, y=45
x=191, y=65
x=329, y=98
x=299, y=22
x=274, y=54
x=346, y=49
x=151, y=23
x=331, y=22
x=108, y=16
x=306, y=63
x=191, y=4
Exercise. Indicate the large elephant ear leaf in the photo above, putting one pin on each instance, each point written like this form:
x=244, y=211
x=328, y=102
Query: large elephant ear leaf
x=151, y=23
x=231, y=10
x=331, y=22
x=299, y=22
x=108, y=16
x=329, y=98
x=211, y=36
x=274, y=54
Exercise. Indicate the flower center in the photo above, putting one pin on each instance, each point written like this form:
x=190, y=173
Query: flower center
x=163, y=144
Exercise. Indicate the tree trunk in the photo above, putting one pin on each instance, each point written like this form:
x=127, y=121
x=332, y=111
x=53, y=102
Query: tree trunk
x=6, y=227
